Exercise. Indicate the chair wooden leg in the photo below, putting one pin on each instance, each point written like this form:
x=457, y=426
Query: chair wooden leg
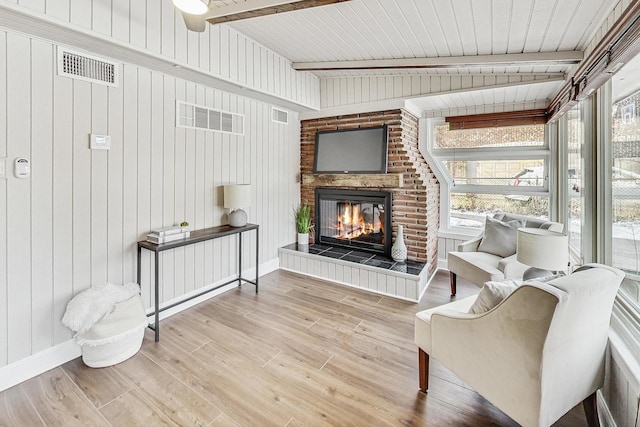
x=452, y=282
x=423, y=369
x=590, y=405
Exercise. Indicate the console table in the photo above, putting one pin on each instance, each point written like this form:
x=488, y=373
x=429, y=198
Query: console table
x=196, y=236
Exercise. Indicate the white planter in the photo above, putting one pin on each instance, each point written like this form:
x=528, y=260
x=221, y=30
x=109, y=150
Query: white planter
x=303, y=238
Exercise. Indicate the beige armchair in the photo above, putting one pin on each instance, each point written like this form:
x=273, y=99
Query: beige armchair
x=480, y=267
x=536, y=354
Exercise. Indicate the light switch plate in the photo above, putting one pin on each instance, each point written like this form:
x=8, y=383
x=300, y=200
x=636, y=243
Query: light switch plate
x=3, y=168
x=100, y=142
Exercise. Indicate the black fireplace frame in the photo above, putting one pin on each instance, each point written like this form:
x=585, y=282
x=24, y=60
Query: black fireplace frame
x=362, y=195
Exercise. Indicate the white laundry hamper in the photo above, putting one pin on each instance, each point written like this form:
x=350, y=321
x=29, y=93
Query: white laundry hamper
x=116, y=336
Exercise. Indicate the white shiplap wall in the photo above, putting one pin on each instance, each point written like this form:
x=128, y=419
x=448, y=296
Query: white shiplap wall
x=448, y=244
x=340, y=91
x=154, y=26
x=75, y=221
x=621, y=390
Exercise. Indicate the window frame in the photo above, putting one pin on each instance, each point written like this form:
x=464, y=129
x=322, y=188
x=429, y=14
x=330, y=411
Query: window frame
x=626, y=312
x=625, y=319
x=437, y=156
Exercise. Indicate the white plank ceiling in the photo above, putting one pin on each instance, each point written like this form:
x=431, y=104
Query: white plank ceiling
x=528, y=96
x=369, y=30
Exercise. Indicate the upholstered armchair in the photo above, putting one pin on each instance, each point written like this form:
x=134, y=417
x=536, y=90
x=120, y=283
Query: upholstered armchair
x=535, y=355
x=478, y=264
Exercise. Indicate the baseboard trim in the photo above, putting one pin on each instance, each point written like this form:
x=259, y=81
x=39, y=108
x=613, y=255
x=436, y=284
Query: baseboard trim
x=429, y=279
x=604, y=414
x=36, y=364
x=29, y=367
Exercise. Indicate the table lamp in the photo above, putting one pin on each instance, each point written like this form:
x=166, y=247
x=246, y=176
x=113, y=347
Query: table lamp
x=545, y=251
x=236, y=197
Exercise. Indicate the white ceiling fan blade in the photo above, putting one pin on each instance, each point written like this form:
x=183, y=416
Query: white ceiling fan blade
x=196, y=23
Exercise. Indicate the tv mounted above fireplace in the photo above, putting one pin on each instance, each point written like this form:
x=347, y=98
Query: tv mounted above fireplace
x=361, y=150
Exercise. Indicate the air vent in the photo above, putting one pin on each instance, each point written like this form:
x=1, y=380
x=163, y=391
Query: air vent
x=279, y=116
x=81, y=66
x=197, y=117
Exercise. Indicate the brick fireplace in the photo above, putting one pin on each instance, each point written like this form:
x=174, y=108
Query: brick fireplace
x=353, y=219
x=415, y=203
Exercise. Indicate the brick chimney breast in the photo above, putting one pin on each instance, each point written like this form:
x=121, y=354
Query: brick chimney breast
x=416, y=205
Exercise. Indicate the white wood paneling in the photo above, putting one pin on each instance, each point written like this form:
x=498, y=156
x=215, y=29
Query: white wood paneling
x=76, y=220
x=621, y=391
x=379, y=29
x=80, y=12
x=101, y=17
x=41, y=191
x=115, y=227
x=446, y=245
x=18, y=144
x=99, y=188
x=156, y=27
x=377, y=280
x=4, y=295
x=58, y=9
x=62, y=197
x=341, y=91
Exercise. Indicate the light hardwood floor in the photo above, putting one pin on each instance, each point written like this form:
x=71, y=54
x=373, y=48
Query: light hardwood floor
x=302, y=352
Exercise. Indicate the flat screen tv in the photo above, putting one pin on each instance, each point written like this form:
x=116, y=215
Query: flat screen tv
x=351, y=151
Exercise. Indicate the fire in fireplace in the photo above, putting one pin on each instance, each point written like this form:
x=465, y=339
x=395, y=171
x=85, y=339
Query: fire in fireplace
x=354, y=219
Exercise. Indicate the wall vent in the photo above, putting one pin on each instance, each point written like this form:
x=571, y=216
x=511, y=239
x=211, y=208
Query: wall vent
x=197, y=117
x=279, y=116
x=81, y=66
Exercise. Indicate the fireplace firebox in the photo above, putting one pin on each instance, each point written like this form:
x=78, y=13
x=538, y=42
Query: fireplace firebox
x=359, y=220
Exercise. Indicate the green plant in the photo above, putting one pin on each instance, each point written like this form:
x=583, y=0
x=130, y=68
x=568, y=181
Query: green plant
x=184, y=224
x=303, y=218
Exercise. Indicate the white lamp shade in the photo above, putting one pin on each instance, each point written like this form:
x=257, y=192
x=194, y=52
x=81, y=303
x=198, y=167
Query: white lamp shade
x=193, y=7
x=543, y=249
x=237, y=196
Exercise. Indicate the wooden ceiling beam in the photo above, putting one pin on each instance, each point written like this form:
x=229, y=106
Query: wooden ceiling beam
x=509, y=59
x=510, y=118
x=256, y=8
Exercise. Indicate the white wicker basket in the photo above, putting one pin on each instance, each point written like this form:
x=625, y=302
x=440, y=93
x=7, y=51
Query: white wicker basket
x=116, y=337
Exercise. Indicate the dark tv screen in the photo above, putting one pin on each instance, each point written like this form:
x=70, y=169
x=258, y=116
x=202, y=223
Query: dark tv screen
x=351, y=151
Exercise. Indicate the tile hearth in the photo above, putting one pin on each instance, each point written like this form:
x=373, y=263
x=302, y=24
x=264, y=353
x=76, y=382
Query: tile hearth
x=374, y=273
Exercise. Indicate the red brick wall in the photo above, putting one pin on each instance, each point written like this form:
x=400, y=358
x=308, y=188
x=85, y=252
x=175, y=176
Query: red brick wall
x=416, y=205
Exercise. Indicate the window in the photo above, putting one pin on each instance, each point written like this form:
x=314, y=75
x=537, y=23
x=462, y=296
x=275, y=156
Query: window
x=625, y=178
x=490, y=170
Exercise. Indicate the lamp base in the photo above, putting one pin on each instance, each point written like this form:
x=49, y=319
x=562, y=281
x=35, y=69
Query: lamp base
x=237, y=218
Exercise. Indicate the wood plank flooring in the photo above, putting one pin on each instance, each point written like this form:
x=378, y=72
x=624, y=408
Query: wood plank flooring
x=302, y=352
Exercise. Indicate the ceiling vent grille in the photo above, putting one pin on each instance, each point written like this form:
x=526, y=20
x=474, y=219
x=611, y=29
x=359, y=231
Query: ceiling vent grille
x=197, y=117
x=279, y=116
x=77, y=65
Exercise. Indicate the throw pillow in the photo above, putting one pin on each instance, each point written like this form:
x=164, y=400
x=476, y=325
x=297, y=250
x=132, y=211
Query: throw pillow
x=500, y=238
x=492, y=294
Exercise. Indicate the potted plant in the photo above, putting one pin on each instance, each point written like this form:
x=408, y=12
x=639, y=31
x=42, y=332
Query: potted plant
x=303, y=223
